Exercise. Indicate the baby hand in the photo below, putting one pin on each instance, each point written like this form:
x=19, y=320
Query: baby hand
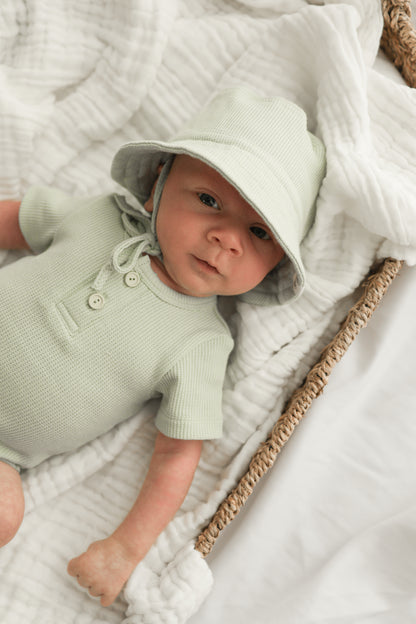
x=103, y=569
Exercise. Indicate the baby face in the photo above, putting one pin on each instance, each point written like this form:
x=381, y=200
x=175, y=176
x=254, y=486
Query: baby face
x=213, y=242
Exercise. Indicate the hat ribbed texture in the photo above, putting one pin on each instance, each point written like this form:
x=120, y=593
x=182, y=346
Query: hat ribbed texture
x=261, y=145
x=274, y=131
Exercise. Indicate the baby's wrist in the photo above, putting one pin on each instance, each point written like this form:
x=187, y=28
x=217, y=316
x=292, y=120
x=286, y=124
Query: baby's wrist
x=132, y=550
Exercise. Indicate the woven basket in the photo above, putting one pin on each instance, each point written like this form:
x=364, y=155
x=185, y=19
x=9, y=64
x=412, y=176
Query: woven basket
x=398, y=42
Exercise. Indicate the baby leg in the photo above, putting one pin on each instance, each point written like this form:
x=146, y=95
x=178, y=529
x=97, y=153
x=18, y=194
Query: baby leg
x=12, y=502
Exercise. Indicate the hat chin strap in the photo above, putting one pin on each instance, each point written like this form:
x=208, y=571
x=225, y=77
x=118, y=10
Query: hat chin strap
x=160, y=183
x=138, y=244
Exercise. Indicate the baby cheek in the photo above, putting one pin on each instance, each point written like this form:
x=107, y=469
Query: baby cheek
x=254, y=273
x=269, y=258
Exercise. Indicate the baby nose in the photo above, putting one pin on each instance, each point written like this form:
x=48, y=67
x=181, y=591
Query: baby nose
x=227, y=238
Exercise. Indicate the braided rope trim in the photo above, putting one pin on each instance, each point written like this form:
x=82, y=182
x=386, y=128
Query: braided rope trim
x=375, y=287
x=398, y=40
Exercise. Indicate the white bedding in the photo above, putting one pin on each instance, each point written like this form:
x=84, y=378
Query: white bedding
x=77, y=80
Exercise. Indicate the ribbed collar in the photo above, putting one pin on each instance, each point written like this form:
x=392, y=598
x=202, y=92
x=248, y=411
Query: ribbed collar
x=161, y=290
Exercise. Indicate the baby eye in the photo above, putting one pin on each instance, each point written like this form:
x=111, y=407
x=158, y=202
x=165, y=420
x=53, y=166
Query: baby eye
x=208, y=200
x=260, y=232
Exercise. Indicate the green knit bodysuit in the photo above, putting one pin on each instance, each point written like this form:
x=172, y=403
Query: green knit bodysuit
x=74, y=361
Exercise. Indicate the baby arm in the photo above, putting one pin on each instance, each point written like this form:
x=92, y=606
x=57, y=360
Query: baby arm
x=11, y=236
x=107, y=564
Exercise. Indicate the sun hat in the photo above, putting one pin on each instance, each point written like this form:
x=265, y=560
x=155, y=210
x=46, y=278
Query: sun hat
x=262, y=146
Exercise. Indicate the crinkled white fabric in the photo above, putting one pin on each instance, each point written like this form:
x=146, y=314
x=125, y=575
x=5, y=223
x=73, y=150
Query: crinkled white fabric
x=77, y=80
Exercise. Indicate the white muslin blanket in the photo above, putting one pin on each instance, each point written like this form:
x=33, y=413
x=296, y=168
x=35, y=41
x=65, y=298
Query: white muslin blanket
x=79, y=78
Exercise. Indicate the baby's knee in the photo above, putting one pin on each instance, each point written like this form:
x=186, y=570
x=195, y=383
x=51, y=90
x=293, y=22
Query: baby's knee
x=10, y=521
x=12, y=504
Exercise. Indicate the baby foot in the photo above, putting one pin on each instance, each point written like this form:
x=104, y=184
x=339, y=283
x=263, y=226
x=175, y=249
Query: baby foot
x=103, y=569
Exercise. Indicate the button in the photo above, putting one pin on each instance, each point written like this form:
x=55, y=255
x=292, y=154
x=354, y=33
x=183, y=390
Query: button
x=96, y=301
x=131, y=279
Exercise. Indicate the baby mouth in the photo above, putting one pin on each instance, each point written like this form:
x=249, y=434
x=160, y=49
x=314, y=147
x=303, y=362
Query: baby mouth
x=206, y=266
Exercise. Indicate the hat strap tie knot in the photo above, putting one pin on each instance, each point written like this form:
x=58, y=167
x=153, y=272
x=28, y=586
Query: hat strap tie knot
x=137, y=244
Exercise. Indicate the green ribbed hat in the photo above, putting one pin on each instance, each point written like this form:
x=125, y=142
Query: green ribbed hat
x=261, y=145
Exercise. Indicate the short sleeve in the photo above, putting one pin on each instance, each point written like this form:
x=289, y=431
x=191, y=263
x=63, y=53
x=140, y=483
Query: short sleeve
x=191, y=407
x=41, y=212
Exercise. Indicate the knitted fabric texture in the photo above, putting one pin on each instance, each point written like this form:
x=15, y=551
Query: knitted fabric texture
x=85, y=366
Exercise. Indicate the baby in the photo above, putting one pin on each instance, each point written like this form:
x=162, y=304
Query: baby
x=119, y=305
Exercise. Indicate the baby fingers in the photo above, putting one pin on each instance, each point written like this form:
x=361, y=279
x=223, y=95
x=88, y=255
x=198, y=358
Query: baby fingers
x=94, y=574
x=87, y=583
x=95, y=593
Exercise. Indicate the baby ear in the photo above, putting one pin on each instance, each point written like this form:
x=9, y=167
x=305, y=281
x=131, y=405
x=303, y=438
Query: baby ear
x=148, y=204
